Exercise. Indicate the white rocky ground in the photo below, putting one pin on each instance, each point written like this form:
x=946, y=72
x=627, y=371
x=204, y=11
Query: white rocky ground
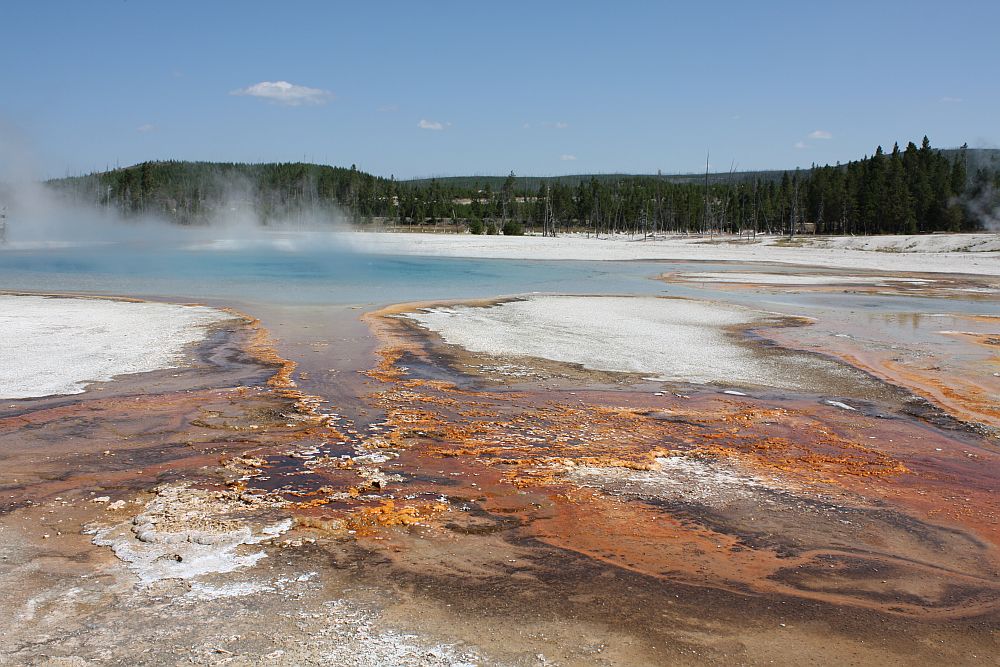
x=186, y=533
x=54, y=345
x=791, y=279
x=664, y=339
x=910, y=243
x=935, y=253
x=198, y=554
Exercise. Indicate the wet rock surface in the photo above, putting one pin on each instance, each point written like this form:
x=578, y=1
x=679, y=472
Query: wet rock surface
x=522, y=513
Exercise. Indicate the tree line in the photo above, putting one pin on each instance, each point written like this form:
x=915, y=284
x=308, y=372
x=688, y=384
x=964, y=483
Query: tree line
x=202, y=192
x=911, y=190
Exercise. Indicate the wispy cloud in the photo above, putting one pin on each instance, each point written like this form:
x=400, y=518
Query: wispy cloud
x=145, y=127
x=951, y=100
x=425, y=124
x=566, y=157
x=552, y=125
x=820, y=134
x=801, y=144
x=288, y=94
x=388, y=108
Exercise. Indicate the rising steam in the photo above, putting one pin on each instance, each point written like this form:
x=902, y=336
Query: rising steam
x=39, y=215
x=984, y=207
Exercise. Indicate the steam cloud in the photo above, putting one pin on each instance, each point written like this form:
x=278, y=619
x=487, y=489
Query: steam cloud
x=984, y=207
x=40, y=216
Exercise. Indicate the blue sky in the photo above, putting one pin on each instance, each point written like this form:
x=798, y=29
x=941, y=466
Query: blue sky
x=441, y=88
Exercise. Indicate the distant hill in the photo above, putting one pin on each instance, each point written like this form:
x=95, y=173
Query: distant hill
x=533, y=183
x=985, y=158
x=203, y=192
x=917, y=190
x=978, y=158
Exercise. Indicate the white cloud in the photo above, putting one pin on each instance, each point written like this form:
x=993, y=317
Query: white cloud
x=425, y=124
x=388, y=108
x=567, y=157
x=951, y=100
x=288, y=94
x=145, y=127
x=548, y=124
x=801, y=144
x=820, y=134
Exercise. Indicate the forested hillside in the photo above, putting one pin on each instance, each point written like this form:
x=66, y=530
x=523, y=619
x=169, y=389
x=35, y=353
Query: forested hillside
x=910, y=190
x=199, y=192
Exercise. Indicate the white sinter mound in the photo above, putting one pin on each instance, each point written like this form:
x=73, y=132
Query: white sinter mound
x=792, y=279
x=60, y=345
x=937, y=253
x=664, y=339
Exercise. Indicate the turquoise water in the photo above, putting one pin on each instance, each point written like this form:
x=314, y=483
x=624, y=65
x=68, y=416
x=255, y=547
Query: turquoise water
x=330, y=275
x=308, y=277
x=310, y=298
